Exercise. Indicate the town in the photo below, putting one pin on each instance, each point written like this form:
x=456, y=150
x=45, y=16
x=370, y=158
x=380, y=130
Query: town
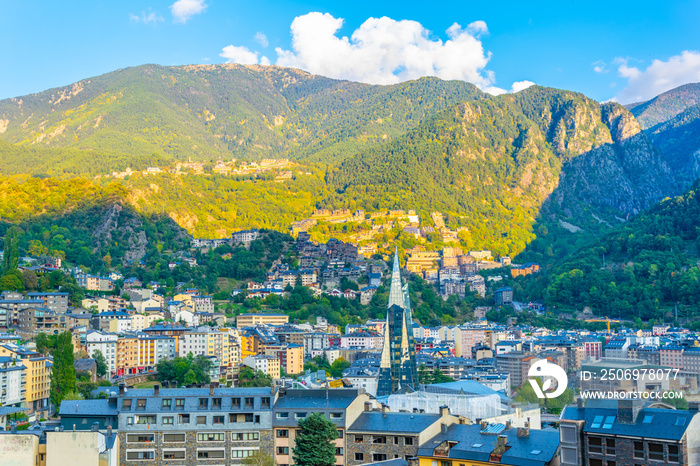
x=133, y=375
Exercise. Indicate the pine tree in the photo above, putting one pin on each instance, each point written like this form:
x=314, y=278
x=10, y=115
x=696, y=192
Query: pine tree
x=63, y=371
x=314, y=445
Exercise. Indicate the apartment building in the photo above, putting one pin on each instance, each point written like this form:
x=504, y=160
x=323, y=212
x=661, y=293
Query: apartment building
x=37, y=375
x=105, y=343
x=56, y=301
x=251, y=320
x=341, y=406
x=628, y=433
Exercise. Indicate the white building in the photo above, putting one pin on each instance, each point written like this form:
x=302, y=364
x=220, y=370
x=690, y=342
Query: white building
x=364, y=340
x=105, y=343
x=195, y=343
x=12, y=381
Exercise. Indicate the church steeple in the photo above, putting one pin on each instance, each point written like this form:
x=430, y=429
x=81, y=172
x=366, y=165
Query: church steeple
x=397, y=369
x=396, y=296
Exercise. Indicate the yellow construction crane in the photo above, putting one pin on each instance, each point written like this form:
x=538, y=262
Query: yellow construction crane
x=604, y=319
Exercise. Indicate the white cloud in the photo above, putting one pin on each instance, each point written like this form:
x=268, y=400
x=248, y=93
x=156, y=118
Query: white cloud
x=521, y=86
x=147, y=17
x=600, y=67
x=386, y=51
x=261, y=39
x=183, y=10
x=243, y=56
x=658, y=77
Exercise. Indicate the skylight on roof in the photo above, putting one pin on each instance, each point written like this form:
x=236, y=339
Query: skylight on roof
x=609, y=421
x=477, y=445
x=680, y=421
x=597, y=421
x=647, y=419
x=535, y=452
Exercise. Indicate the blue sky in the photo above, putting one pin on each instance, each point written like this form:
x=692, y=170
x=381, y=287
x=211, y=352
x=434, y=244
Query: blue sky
x=619, y=50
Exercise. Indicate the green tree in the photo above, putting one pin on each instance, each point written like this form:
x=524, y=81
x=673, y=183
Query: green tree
x=248, y=377
x=11, y=249
x=338, y=366
x=259, y=458
x=63, y=378
x=315, y=443
x=101, y=363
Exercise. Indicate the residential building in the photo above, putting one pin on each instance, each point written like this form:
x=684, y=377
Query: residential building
x=105, y=343
x=628, y=433
x=37, y=376
x=341, y=406
x=244, y=236
x=503, y=296
x=291, y=357
x=487, y=444
x=268, y=365
x=12, y=381
x=56, y=301
x=181, y=426
x=41, y=320
x=251, y=320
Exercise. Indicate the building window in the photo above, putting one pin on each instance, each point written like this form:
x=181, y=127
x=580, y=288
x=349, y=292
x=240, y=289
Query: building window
x=245, y=436
x=336, y=415
x=236, y=402
x=218, y=419
x=380, y=439
x=359, y=456
x=569, y=455
x=203, y=403
x=656, y=451
x=568, y=434
x=282, y=415
x=340, y=433
x=140, y=455
x=595, y=462
x=242, y=453
x=211, y=454
x=265, y=402
x=174, y=454
x=595, y=445
x=201, y=420
x=249, y=402
x=173, y=438
x=299, y=415
x=141, y=404
x=359, y=439
x=167, y=419
x=126, y=404
x=140, y=438
x=282, y=450
x=282, y=433
x=408, y=440
x=639, y=449
x=216, y=403
x=338, y=451
x=610, y=446
x=379, y=457
x=674, y=454
x=179, y=403
x=145, y=419
x=129, y=421
x=183, y=419
x=445, y=463
x=210, y=437
x=167, y=402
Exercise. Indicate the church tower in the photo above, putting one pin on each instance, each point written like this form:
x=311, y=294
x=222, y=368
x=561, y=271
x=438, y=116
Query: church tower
x=397, y=369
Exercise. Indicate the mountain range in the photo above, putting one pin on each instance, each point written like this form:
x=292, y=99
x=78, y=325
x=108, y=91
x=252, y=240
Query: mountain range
x=503, y=166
